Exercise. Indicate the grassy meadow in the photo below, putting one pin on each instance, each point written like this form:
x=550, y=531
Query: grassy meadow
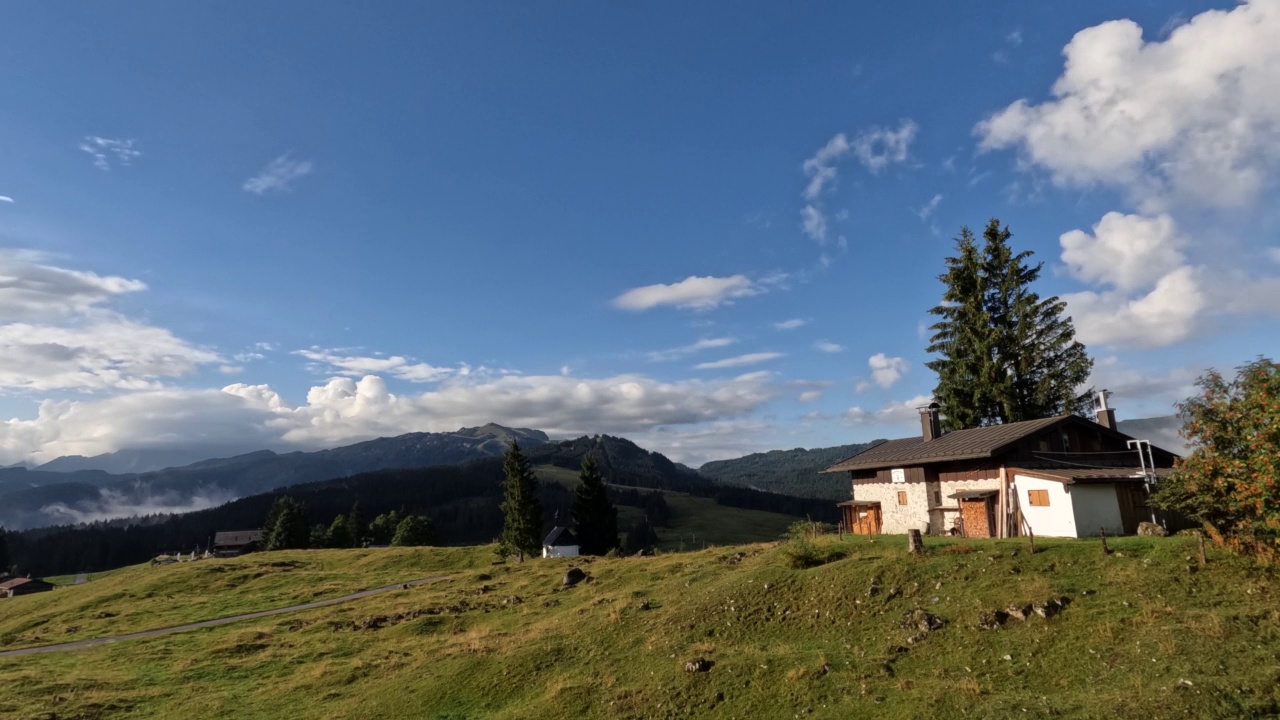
x=1147, y=634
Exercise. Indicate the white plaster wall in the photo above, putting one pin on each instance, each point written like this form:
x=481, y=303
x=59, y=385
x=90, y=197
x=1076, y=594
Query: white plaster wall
x=1057, y=519
x=559, y=551
x=897, y=519
x=1096, y=507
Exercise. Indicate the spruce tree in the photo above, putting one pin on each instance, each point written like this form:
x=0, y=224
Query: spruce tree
x=4, y=551
x=521, y=510
x=357, y=526
x=289, y=530
x=1005, y=354
x=963, y=340
x=595, y=519
x=339, y=535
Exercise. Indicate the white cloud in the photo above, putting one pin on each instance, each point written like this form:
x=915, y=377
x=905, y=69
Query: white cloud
x=887, y=371
x=694, y=293
x=345, y=410
x=1164, y=316
x=102, y=352
x=361, y=365
x=105, y=151
x=827, y=346
x=878, y=148
x=699, y=346
x=1125, y=251
x=31, y=290
x=893, y=413
x=1014, y=38
x=1274, y=254
x=739, y=360
x=820, y=168
x=791, y=324
x=810, y=396
x=929, y=207
x=6, y=199
x=814, y=222
x=62, y=335
x=278, y=175
x=1192, y=117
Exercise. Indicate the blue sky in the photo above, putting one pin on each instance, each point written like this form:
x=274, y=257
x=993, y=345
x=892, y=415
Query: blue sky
x=714, y=229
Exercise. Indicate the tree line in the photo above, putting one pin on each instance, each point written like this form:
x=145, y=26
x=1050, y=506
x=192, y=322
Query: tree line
x=286, y=528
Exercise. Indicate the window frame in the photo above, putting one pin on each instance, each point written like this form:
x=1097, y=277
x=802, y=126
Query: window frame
x=902, y=497
x=1032, y=495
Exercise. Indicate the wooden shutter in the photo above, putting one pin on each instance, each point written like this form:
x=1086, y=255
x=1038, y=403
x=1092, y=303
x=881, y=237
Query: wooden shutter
x=902, y=497
x=1038, y=498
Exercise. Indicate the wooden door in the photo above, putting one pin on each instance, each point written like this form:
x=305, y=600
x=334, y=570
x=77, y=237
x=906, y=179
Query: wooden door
x=863, y=520
x=1132, y=498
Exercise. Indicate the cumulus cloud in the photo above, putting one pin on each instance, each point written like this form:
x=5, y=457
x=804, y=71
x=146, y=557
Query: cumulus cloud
x=820, y=168
x=810, y=396
x=1165, y=315
x=892, y=413
x=827, y=346
x=6, y=199
x=692, y=293
x=62, y=334
x=106, y=151
x=360, y=365
x=794, y=323
x=885, y=371
x=740, y=360
x=278, y=176
x=1124, y=251
x=347, y=410
x=690, y=349
x=1191, y=117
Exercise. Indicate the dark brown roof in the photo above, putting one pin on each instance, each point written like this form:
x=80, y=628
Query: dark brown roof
x=10, y=584
x=235, y=538
x=981, y=442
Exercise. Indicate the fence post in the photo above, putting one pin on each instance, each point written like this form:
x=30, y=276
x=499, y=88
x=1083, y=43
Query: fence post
x=1200, y=540
x=1102, y=533
x=915, y=545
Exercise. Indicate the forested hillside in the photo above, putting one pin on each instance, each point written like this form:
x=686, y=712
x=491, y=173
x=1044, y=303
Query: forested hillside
x=791, y=472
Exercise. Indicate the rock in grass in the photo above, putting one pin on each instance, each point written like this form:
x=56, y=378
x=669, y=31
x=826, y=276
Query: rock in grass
x=574, y=576
x=1150, y=529
x=992, y=620
x=1018, y=612
x=698, y=665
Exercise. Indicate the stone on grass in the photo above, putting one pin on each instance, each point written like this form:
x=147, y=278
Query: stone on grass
x=1150, y=529
x=698, y=665
x=574, y=576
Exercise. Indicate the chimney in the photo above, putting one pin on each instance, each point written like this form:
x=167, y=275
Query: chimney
x=930, y=425
x=1106, y=417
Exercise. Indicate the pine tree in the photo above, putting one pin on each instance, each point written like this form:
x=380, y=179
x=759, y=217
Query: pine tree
x=339, y=535
x=963, y=339
x=414, y=531
x=355, y=523
x=1006, y=354
x=595, y=519
x=521, y=511
x=4, y=551
x=383, y=528
x=289, y=530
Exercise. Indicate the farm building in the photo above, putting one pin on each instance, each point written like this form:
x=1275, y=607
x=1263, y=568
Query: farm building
x=236, y=542
x=14, y=587
x=1062, y=476
x=560, y=543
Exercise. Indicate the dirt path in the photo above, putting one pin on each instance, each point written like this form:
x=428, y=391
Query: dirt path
x=81, y=644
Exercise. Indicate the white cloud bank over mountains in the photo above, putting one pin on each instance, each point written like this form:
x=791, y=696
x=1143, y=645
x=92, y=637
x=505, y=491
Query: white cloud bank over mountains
x=344, y=410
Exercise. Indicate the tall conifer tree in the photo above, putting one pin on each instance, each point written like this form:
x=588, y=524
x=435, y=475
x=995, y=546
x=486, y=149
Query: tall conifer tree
x=521, y=510
x=1006, y=354
x=595, y=519
x=289, y=530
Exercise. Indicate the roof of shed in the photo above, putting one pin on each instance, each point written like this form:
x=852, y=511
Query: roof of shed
x=1087, y=475
x=15, y=582
x=237, y=537
x=559, y=537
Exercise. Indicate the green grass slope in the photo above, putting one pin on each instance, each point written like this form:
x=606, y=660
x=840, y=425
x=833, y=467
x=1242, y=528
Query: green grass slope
x=1147, y=634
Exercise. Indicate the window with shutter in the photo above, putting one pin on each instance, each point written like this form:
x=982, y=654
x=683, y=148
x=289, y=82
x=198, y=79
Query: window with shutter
x=1038, y=498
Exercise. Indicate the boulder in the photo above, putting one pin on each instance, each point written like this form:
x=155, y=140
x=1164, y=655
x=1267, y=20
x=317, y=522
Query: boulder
x=922, y=621
x=1150, y=529
x=574, y=576
x=992, y=620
